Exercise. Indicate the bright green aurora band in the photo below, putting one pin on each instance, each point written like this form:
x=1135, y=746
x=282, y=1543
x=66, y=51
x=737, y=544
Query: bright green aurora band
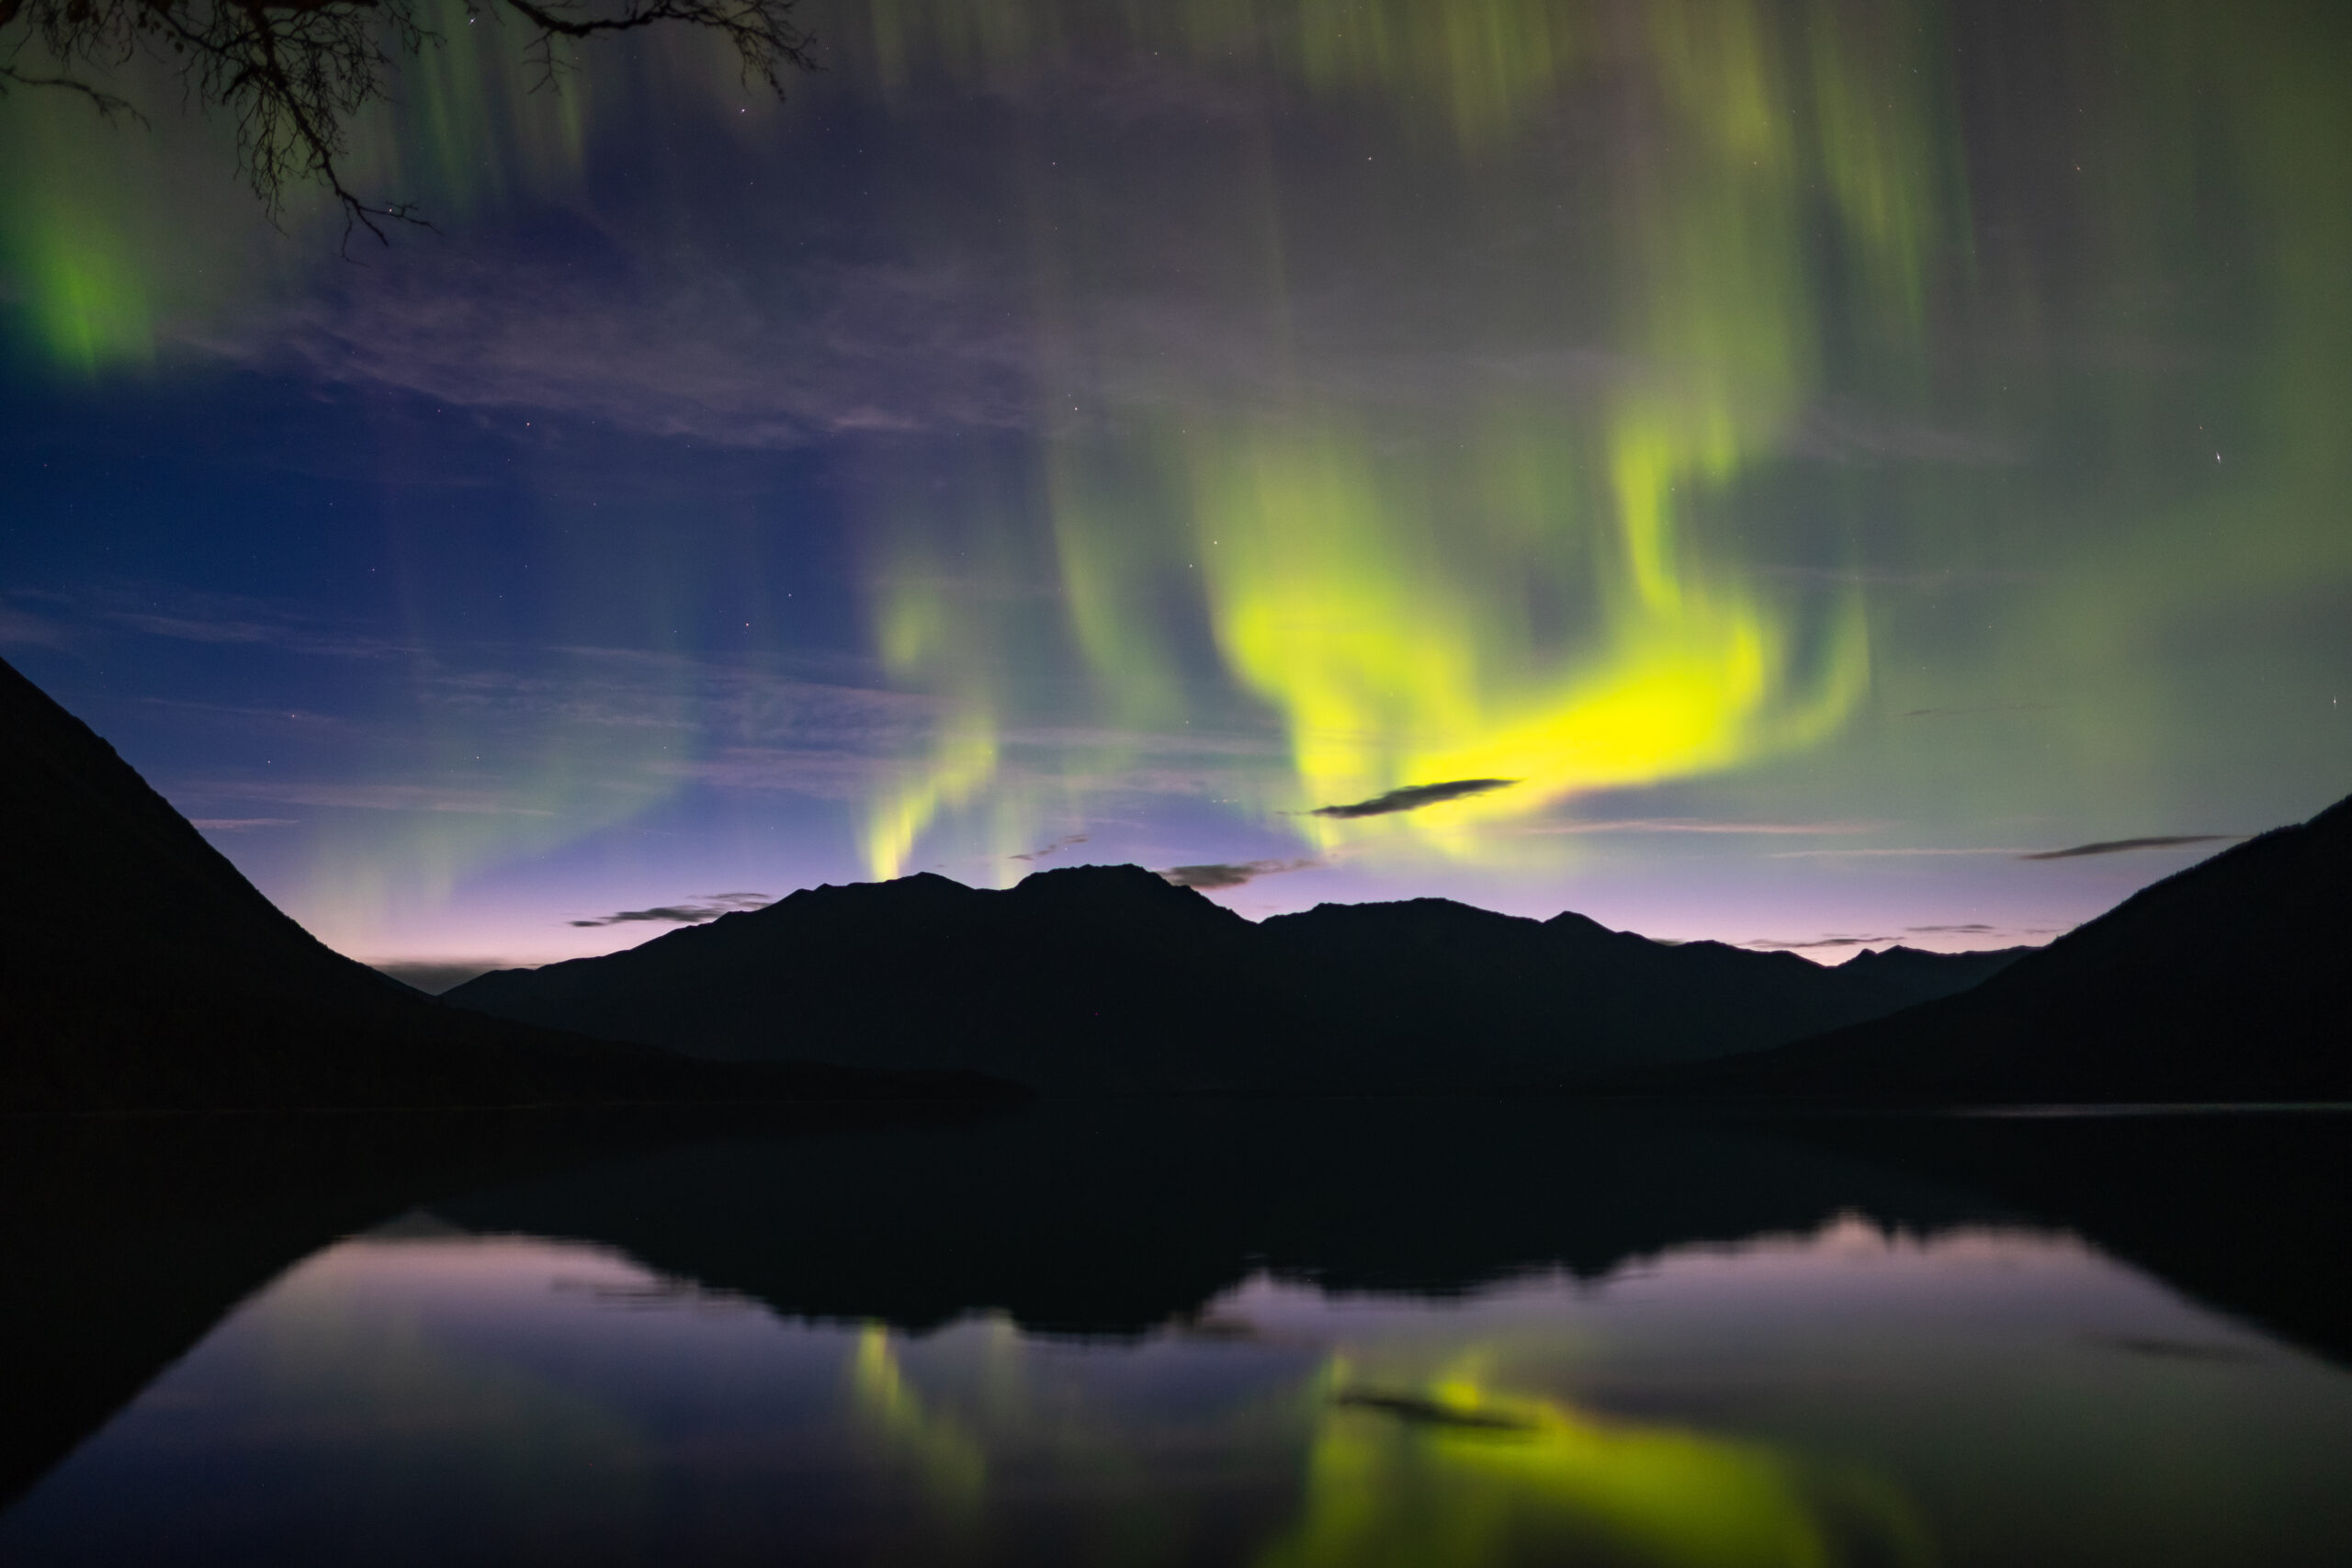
x=1587, y=396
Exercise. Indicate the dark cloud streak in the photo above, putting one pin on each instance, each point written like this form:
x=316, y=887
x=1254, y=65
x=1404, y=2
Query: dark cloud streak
x=1412, y=798
x=1962, y=713
x=1232, y=873
x=711, y=907
x=2122, y=846
x=1057, y=846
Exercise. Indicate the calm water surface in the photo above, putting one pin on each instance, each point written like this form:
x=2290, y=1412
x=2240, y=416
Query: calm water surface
x=1917, y=1376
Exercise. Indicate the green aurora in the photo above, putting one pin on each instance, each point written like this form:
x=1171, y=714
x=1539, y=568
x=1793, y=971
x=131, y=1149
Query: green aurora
x=1813, y=412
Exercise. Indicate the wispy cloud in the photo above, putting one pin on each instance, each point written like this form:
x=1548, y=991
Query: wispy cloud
x=1843, y=939
x=225, y=620
x=189, y=630
x=238, y=824
x=248, y=715
x=1846, y=435
x=185, y=614
x=1054, y=847
x=1963, y=712
x=1892, y=853
x=610, y=330
x=881, y=346
x=1412, y=798
x=1162, y=743
x=824, y=774
x=364, y=796
x=707, y=906
x=2124, y=846
x=1232, y=873
x=1693, y=825
x=1933, y=579
x=26, y=629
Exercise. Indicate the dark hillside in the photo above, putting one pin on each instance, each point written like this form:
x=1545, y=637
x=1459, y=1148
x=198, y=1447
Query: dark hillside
x=138, y=968
x=1548, y=995
x=2229, y=981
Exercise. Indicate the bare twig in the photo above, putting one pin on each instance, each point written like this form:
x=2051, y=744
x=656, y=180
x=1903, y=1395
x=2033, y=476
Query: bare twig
x=106, y=103
x=295, y=73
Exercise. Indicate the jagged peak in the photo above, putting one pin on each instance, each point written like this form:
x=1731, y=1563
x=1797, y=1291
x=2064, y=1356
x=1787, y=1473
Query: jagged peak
x=915, y=885
x=1583, y=925
x=1128, y=886
x=1443, y=908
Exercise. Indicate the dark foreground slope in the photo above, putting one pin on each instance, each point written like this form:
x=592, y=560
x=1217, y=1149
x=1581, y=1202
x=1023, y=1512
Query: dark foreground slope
x=138, y=968
x=2230, y=981
x=1107, y=979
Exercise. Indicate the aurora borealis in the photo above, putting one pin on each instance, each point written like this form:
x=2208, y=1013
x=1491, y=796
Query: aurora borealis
x=1804, y=457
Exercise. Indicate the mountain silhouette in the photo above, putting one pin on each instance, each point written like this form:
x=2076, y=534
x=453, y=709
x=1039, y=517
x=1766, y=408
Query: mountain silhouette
x=2229, y=981
x=1550, y=995
x=1108, y=978
x=139, y=969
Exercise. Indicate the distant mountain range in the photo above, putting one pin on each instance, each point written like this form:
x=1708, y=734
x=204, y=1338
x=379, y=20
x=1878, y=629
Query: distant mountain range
x=2229, y=981
x=1107, y=979
x=139, y=969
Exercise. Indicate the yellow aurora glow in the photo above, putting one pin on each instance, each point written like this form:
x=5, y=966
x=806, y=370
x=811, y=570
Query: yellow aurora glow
x=1386, y=391
x=1549, y=596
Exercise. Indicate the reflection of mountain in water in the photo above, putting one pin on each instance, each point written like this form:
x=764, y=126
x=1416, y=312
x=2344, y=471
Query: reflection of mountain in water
x=121, y=1244
x=1114, y=1218
x=124, y=1240
x=2246, y=1212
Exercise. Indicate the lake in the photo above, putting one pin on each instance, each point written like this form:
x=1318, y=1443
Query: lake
x=1287, y=1333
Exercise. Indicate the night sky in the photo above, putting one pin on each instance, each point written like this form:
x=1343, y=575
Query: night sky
x=1784, y=465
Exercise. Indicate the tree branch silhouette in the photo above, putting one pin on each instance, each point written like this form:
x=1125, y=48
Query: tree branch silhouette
x=295, y=73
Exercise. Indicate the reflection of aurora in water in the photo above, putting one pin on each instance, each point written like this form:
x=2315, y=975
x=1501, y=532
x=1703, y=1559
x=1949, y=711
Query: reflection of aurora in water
x=1473, y=1478
x=1219, y=409
x=1466, y=1475
x=1842, y=1398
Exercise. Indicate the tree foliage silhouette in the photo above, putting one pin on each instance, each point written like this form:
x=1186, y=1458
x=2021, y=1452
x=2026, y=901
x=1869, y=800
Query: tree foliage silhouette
x=294, y=74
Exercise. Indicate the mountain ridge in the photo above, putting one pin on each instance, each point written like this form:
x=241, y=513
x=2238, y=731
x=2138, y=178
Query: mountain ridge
x=1109, y=978
x=2229, y=980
